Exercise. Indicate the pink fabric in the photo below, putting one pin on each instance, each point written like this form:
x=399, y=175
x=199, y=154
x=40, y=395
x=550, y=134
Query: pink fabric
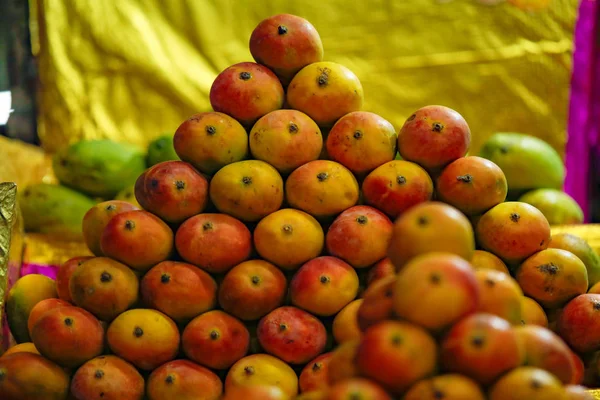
x=584, y=109
x=49, y=270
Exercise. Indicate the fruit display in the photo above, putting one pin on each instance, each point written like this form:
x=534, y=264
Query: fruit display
x=288, y=254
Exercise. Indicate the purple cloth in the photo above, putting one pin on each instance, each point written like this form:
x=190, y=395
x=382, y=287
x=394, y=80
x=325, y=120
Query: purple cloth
x=49, y=270
x=584, y=108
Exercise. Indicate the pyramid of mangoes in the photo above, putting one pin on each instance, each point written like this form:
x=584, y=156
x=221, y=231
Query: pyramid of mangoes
x=303, y=248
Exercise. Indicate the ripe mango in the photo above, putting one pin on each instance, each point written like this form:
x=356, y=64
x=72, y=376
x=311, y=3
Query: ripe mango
x=99, y=167
x=527, y=161
x=104, y=287
x=53, y=209
x=28, y=376
x=109, y=378
x=22, y=297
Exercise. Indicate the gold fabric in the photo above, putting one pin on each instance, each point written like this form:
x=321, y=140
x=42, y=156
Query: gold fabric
x=50, y=250
x=10, y=249
x=24, y=164
x=130, y=69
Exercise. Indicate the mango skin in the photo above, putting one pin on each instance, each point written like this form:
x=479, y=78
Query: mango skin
x=109, y=377
x=54, y=209
x=99, y=167
x=28, y=376
x=527, y=161
x=22, y=297
x=558, y=207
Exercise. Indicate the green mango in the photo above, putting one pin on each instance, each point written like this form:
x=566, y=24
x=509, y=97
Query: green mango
x=99, y=167
x=558, y=207
x=161, y=149
x=527, y=161
x=53, y=209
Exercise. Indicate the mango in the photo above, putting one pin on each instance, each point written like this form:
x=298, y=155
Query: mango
x=322, y=188
x=288, y=238
x=314, y=376
x=546, y=350
x=557, y=206
x=262, y=392
x=582, y=250
x=378, y=303
x=345, y=324
x=161, y=149
x=342, y=365
x=68, y=336
x=138, y=239
x=63, y=276
x=527, y=383
x=292, y=335
x=216, y=340
x=360, y=236
x=27, y=347
x=252, y=289
x=433, y=137
x=247, y=190
x=325, y=91
x=396, y=186
x=532, y=313
x=527, y=162
x=40, y=309
x=380, y=270
x=246, y=91
x=27, y=376
x=108, y=378
x=472, y=184
x=396, y=355
x=553, y=277
x=104, y=287
x=513, y=231
x=500, y=295
x=99, y=168
x=262, y=369
x=53, y=209
x=286, y=139
x=22, y=297
x=172, y=190
x=180, y=290
x=285, y=43
x=430, y=227
x=183, y=380
x=323, y=286
x=578, y=323
x=485, y=260
x=211, y=140
x=423, y=284
x=362, y=141
x=95, y=220
x=448, y=387
x=357, y=388
x=146, y=338
x=213, y=242
x=482, y=347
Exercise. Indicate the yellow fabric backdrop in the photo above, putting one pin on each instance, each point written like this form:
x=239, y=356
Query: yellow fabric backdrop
x=132, y=69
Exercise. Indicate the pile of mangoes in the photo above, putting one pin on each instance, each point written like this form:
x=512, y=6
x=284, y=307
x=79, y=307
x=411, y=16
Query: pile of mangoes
x=304, y=248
